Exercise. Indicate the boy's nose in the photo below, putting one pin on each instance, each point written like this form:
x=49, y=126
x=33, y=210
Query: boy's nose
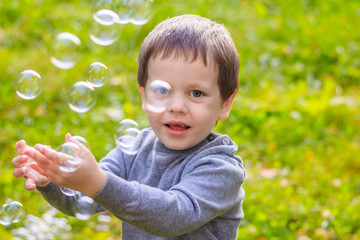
x=177, y=104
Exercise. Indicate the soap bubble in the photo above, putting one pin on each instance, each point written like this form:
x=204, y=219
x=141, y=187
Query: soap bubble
x=124, y=9
x=106, y=17
x=128, y=136
x=70, y=157
x=143, y=11
x=28, y=84
x=104, y=31
x=82, y=97
x=12, y=212
x=137, y=12
x=65, y=51
x=84, y=207
x=68, y=191
x=97, y=74
x=157, y=96
x=97, y=5
x=82, y=141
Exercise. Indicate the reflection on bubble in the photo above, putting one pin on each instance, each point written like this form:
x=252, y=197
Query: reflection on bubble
x=12, y=212
x=82, y=97
x=103, y=30
x=28, y=84
x=70, y=159
x=84, y=208
x=82, y=141
x=128, y=136
x=157, y=96
x=65, y=51
x=97, y=74
x=106, y=17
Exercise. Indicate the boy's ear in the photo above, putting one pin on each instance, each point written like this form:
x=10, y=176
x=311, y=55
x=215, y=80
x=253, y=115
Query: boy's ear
x=143, y=99
x=226, y=107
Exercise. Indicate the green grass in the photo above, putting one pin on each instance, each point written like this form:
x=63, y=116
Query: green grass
x=296, y=118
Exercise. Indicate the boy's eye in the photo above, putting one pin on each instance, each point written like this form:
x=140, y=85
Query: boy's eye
x=196, y=93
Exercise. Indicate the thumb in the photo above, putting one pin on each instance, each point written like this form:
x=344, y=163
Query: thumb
x=67, y=137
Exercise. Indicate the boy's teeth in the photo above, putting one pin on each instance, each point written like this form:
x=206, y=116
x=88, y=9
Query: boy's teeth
x=177, y=125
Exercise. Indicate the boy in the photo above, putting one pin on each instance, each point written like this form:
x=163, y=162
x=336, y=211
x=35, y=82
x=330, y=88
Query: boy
x=185, y=182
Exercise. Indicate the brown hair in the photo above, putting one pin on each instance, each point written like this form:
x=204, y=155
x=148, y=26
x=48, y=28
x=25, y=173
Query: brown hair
x=194, y=36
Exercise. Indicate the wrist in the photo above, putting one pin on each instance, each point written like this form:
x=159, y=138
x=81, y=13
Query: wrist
x=97, y=183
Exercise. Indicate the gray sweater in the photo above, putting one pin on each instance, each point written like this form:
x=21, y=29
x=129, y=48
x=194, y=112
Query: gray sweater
x=160, y=193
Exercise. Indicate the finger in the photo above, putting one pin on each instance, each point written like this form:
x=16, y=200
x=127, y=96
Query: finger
x=36, y=167
x=20, y=146
x=68, y=136
x=19, y=161
x=39, y=157
x=29, y=184
x=49, y=158
x=82, y=148
x=19, y=172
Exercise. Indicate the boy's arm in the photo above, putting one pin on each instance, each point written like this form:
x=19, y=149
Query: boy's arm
x=210, y=189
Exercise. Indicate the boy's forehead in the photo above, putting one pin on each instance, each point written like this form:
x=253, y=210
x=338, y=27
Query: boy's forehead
x=189, y=56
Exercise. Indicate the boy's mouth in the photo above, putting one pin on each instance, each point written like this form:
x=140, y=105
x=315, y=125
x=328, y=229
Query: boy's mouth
x=177, y=126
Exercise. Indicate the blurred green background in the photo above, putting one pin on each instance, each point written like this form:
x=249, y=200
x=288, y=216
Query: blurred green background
x=296, y=117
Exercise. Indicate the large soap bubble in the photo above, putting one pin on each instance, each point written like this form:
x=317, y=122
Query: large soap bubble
x=103, y=30
x=128, y=136
x=12, y=212
x=28, y=84
x=82, y=97
x=84, y=208
x=97, y=74
x=70, y=159
x=65, y=50
x=157, y=96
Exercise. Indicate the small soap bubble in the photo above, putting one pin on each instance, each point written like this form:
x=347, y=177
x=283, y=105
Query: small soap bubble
x=143, y=11
x=128, y=136
x=68, y=191
x=157, y=96
x=12, y=212
x=84, y=208
x=81, y=140
x=103, y=30
x=28, y=84
x=97, y=74
x=70, y=157
x=82, y=97
x=65, y=51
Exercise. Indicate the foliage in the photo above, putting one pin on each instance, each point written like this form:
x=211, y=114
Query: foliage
x=296, y=117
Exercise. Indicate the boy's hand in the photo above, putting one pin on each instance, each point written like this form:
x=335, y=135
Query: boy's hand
x=26, y=167
x=89, y=178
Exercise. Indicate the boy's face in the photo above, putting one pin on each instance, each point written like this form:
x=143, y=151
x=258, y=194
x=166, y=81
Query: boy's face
x=193, y=103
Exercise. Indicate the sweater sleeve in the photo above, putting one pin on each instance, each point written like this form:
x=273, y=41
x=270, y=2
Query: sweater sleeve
x=210, y=187
x=64, y=203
